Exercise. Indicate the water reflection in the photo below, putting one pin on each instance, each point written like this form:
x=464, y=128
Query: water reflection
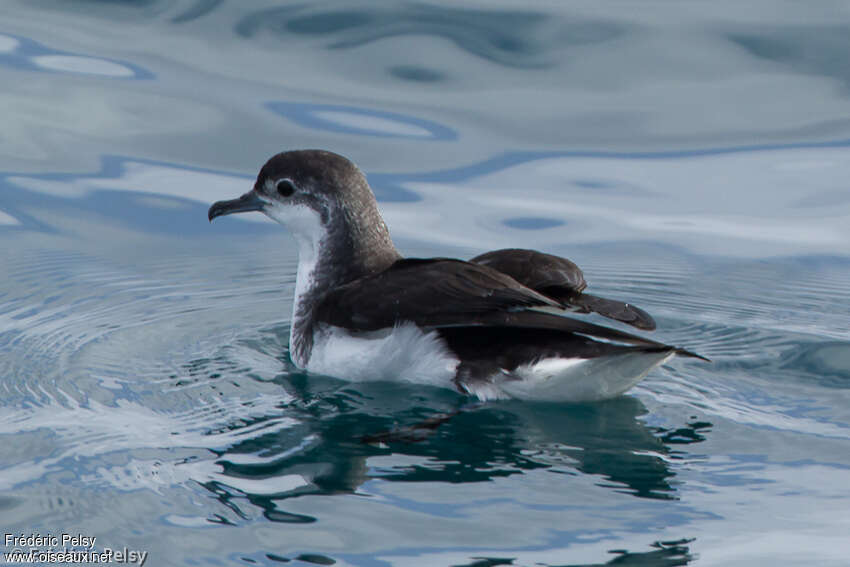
x=326, y=453
x=416, y=73
x=197, y=10
x=665, y=554
x=158, y=197
x=30, y=55
x=361, y=121
x=828, y=362
x=670, y=198
x=513, y=38
x=532, y=223
x=803, y=48
x=675, y=197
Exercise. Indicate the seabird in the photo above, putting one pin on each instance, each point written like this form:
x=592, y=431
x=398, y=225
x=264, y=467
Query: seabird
x=493, y=327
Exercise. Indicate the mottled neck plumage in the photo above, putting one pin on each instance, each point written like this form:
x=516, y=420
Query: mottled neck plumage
x=355, y=243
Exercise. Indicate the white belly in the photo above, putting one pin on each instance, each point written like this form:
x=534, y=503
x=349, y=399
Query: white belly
x=403, y=353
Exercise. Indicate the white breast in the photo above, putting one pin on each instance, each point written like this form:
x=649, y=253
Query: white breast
x=402, y=353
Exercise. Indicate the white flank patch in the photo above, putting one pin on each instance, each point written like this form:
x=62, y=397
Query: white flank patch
x=548, y=368
x=571, y=379
x=579, y=380
x=404, y=353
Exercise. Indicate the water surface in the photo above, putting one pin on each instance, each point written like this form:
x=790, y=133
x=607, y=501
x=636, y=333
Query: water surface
x=691, y=158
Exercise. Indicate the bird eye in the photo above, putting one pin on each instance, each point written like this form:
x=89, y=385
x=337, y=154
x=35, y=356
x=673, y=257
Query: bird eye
x=285, y=188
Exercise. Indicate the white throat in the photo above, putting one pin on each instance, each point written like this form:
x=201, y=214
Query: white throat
x=305, y=278
x=310, y=234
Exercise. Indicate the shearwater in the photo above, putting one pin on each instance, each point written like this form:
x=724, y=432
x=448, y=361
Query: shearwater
x=493, y=327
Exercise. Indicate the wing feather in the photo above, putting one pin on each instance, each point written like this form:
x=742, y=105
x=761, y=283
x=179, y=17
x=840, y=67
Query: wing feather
x=428, y=292
x=443, y=293
x=563, y=281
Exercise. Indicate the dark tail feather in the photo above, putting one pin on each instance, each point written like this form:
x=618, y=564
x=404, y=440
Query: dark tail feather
x=613, y=309
x=691, y=354
x=625, y=313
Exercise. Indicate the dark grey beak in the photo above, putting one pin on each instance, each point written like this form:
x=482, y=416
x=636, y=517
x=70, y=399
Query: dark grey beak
x=247, y=202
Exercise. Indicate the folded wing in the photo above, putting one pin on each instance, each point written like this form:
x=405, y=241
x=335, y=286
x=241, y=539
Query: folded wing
x=563, y=281
x=431, y=293
x=442, y=293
